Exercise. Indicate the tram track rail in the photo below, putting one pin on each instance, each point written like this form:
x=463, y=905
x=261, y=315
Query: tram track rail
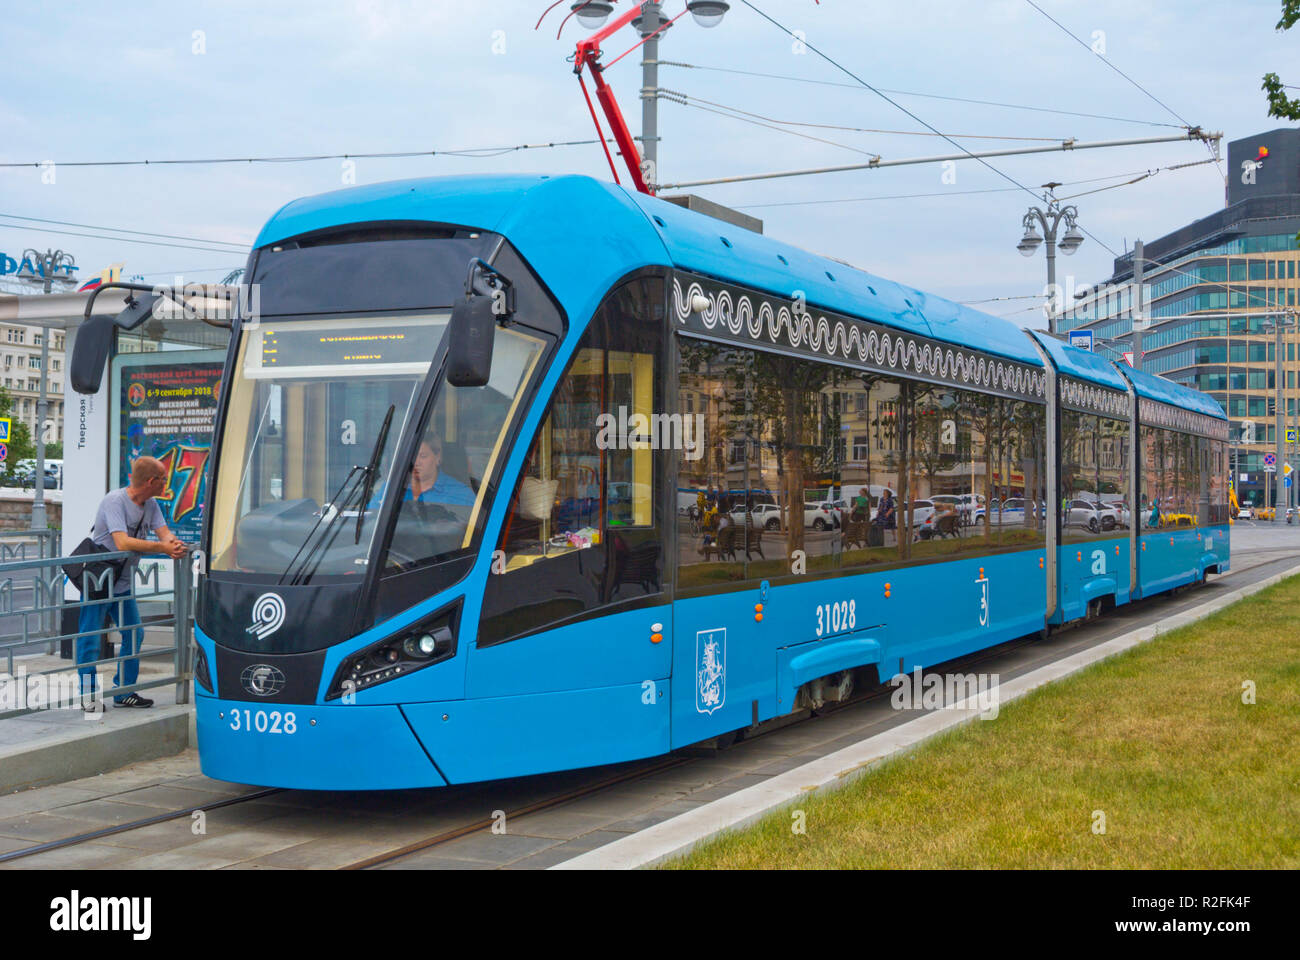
x=117, y=828
x=1255, y=560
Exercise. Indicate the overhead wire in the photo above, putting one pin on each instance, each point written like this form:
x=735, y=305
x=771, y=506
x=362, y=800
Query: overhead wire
x=913, y=93
x=682, y=101
x=832, y=126
x=904, y=109
x=470, y=152
x=96, y=236
x=1102, y=58
x=143, y=233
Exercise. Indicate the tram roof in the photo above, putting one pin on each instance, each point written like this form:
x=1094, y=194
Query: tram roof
x=582, y=235
x=1166, y=391
x=1081, y=364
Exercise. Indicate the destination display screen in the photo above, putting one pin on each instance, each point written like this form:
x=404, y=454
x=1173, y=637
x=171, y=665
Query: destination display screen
x=356, y=347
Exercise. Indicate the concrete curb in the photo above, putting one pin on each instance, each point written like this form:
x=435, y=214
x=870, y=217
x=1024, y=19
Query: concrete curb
x=162, y=731
x=678, y=836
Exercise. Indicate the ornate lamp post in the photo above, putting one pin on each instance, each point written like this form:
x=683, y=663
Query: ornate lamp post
x=1050, y=221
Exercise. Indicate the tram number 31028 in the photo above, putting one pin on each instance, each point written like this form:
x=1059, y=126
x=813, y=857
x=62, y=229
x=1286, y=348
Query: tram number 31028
x=836, y=617
x=263, y=721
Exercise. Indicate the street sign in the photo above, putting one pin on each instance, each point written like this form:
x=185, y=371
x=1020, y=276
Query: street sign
x=4, y=451
x=1290, y=434
x=1286, y=469
x=1270, y=468
x=5, y=424
x=1286, y=481
x=1270, y=459
x=1128, y=357
x=1081, y=339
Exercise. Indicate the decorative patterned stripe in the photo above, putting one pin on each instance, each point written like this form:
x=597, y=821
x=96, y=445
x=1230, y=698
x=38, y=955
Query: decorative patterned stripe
x=1094, y=398
x=1156, y=414
x=732, y=311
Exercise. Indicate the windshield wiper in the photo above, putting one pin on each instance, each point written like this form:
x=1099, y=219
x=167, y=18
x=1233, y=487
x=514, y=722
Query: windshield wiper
x=372, y=467
x=340, y=507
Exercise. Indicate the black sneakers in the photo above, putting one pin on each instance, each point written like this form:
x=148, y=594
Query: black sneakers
x=133, y=700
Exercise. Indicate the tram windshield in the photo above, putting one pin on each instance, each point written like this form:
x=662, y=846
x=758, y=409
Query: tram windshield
x=315, y=413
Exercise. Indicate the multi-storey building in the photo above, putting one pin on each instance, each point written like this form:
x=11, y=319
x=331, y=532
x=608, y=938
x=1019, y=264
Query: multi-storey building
x=20, y=375
x=1213, y=291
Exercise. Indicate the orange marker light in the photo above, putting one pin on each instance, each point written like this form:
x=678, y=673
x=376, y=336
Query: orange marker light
x=1080, y=556
x=1117, y=550
x=656, y=638
x=758, y=617
x=758, y=608
x=1041, y=562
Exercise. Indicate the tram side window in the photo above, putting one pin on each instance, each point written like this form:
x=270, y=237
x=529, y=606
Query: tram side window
x=1094, y=476
x=762, y=491
x=584, y=525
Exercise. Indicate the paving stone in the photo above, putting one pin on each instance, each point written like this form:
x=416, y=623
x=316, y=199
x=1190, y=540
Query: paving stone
x=561, y=823
x=214, y=852
x=546, y=858
x=83, y=856
x=657, y=815
x=9, y=844
x=494, y=848
x=44, y=799
x=41, y=826
x=431, y=862
x=100, y=813
x=170, y=796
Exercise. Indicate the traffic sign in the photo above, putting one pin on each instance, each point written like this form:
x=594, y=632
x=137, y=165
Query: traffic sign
x=5, y=424
x=1286, y=469
x=1270, y=459
x=1286, y=481
x=1081, y=339
x=4, y=451
x=1290, y=434
x=1270, y=468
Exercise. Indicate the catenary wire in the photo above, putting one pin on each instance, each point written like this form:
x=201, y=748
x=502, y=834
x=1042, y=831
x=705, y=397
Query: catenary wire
x=140, y=233
x=832, y=126
x=913, y=93
x=472, y=152
x=846, y=71
x=97, y=236
x=1102, y=58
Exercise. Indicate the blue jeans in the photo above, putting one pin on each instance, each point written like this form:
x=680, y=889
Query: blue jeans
x=124, y=614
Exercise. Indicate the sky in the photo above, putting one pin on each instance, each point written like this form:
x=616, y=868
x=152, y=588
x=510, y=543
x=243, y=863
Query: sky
x=237, y=79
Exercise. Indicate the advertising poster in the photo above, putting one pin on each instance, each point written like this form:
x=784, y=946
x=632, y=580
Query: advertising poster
x=166, y=404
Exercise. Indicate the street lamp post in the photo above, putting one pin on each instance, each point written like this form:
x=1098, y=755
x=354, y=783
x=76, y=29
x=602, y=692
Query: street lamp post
x=1050, y=220
x=1276, y=326
x=52, y=260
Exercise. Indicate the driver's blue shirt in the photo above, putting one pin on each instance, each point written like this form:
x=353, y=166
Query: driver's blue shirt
x=446, y=489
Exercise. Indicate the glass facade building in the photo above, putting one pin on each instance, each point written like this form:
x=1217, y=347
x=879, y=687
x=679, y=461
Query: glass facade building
x=1210, y=289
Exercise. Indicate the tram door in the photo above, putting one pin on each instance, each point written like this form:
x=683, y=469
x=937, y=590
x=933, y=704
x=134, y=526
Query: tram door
x=576, y=625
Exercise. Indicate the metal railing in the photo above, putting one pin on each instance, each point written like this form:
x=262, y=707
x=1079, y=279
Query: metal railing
x=34, y=616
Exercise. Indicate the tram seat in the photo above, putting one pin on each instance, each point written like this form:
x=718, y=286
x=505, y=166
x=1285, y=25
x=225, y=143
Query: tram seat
x=456, y=463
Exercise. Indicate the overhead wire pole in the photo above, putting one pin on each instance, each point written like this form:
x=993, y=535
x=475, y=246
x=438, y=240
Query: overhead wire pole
x=1194, y=133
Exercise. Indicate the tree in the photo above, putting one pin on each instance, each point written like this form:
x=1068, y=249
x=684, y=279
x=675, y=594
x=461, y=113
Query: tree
x=1279, y=104
x=20, y=444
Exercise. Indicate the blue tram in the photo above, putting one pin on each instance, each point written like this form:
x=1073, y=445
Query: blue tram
x=445, y=540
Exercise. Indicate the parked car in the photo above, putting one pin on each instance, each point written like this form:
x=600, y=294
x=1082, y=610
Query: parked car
x=766, y=515
x=1091, y=515
x=821, y=515
x=1122, y=512
x=1246, y=513
x=922, y=510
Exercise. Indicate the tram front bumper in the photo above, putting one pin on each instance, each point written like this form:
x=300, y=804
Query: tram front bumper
x=306, y=747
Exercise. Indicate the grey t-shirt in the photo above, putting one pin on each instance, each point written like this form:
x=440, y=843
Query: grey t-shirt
x=117, y=511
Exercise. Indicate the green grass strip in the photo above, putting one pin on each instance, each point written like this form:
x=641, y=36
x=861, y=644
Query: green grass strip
x=1157, y=740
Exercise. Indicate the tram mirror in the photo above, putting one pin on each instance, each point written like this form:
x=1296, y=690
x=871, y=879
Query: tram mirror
x=470, y=334
x=90, y=353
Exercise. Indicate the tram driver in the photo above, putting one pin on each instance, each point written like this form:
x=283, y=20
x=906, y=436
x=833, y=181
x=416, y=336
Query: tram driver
x=435, y=506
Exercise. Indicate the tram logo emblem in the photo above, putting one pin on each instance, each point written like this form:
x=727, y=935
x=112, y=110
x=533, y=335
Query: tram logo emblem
x=983, y=584
x=268, y=615
x=262, y=679
x=710, y=669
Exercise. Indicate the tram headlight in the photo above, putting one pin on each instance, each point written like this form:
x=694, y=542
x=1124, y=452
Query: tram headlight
x=427, y=641
x=202, y=675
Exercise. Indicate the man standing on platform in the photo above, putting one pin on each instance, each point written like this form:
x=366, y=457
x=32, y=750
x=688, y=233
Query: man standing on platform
x=122, y=514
